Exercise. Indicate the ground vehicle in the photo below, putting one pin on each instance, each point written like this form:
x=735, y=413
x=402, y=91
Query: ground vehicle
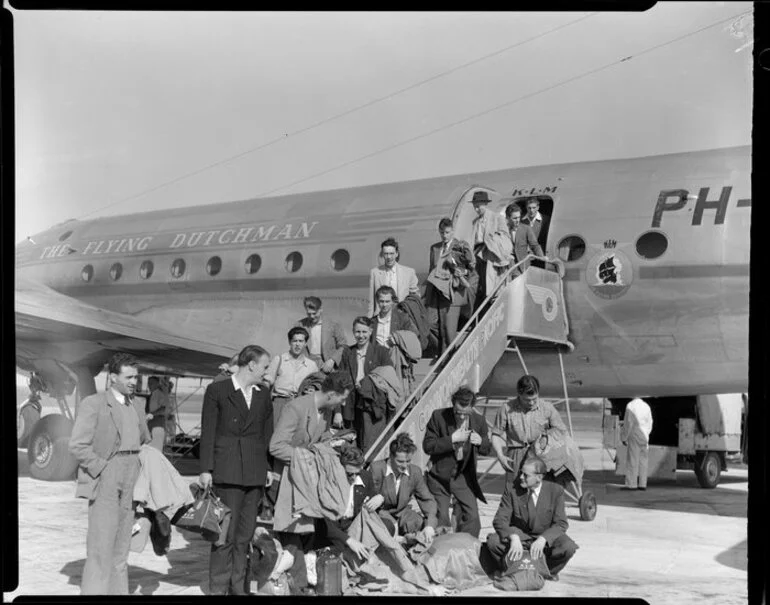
x=697, y=432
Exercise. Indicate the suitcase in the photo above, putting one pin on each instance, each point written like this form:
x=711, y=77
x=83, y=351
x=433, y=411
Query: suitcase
x=329, y=571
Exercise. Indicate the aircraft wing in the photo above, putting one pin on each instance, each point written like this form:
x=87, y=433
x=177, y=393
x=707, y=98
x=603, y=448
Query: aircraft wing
x=51, y=325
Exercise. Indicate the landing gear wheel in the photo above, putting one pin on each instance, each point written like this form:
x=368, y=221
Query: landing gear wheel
x=587, y=506
x=28, y=418
x=48, y=452
x=708, y=469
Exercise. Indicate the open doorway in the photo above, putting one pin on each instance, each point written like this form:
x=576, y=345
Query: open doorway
x=534, y=204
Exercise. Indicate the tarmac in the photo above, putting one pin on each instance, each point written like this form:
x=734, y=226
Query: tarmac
x=672, y=543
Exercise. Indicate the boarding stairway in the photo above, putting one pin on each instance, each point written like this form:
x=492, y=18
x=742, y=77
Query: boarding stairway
x=522, y=313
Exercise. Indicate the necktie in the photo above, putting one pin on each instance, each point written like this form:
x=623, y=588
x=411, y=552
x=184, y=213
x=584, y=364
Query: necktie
x=531, y=507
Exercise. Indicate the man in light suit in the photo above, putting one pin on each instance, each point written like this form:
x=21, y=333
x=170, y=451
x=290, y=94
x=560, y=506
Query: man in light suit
x=537, y=221
x=522, y=237
x=531, y=515
x=402, y=279
x=327, y=338
x=236, y=426
x=491, y=245
x=396, y=482
x=302, y=423
x=109, y=430
x=453, y=439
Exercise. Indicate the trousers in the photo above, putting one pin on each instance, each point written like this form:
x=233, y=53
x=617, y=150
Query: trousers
x=110, y=519
x=443, y=491
x=443, y=320
x=557, y=555
x=636, y=462
x=227, y=563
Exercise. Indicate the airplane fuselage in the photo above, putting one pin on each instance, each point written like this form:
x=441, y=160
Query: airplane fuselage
x=657, y=301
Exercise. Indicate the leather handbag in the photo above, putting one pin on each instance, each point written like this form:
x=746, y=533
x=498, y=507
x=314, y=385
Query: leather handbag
x=207, y=516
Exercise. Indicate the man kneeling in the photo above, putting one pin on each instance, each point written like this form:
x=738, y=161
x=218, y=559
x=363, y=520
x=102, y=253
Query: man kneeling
x=396, y=481
x=531, y=515
x=334, y=533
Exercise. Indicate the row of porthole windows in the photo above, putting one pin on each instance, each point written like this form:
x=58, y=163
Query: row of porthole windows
x=649, y=246
x=339, y=261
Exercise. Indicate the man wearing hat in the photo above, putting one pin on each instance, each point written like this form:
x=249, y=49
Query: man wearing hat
x=491, y=245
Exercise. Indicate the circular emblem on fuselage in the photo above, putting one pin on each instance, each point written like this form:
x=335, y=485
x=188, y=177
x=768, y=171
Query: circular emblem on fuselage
x=609, y=274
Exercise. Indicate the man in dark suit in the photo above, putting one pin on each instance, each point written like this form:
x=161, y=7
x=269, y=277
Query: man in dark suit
x=327, y=338
x=522, y=236
x=389, y=318
x=236, y=426
x=334, y=533
x=537, y=221
x=359, y=360
x=109, y=429
x=531, y=515
x=396, y=482
x=452, y=438
x=452, y=284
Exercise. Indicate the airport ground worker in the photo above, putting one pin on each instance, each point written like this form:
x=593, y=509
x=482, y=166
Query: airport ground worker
x=108, y=432
x=520, y=422
x=635, y=435
x=531, y=516
x=158, y=410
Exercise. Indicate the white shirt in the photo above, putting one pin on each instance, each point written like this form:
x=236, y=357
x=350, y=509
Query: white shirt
x=349, y=509
x=383, y=329
x=391, y=277
x=538, y=217
x=535, y=492
x=118, y=395
x=389, y=471
x=361, y=357
x=637, y=422
x=246, y=396
x=314, y=346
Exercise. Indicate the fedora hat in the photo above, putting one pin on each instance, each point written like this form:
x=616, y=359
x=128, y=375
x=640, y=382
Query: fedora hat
x=480, y=197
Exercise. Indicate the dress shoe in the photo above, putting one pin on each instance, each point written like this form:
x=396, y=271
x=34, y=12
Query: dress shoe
x=642, y=488
x=554, y=577
x=628, y=489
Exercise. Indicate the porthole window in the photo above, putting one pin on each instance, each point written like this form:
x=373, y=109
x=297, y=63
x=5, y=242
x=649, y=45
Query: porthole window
x=146, y=269
x=651, y=245
x=87, y=274
x=340, y=259
x=253, y=264
x=64, y=236
x=571, y=248
x=214, y=265
x=293, y=262
x=116, y=271
x=178, y=268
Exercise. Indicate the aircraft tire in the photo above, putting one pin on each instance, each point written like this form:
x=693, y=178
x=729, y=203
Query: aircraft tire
x=29, y=415
x=587, y=506
x=48, y=452
x=708, y=469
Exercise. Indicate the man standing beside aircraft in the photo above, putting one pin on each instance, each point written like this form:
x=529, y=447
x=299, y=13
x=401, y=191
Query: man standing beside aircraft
x=520, y=422
x=523, y=238
x=236, y=426
x=157, y=408
x=402, y=279
x=288, y=370
x=635, y=435
x=491, y=244
x=109, y=430
x=327, y=338
x=453, y=439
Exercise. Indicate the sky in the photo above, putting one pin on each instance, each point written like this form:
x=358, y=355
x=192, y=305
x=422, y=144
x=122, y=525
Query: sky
x=120, y=112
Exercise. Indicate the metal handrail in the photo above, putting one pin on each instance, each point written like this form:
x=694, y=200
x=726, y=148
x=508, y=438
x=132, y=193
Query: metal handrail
x=436, y=369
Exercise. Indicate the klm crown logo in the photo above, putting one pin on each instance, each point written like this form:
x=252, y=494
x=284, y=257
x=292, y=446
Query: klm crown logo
x=609, y=244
